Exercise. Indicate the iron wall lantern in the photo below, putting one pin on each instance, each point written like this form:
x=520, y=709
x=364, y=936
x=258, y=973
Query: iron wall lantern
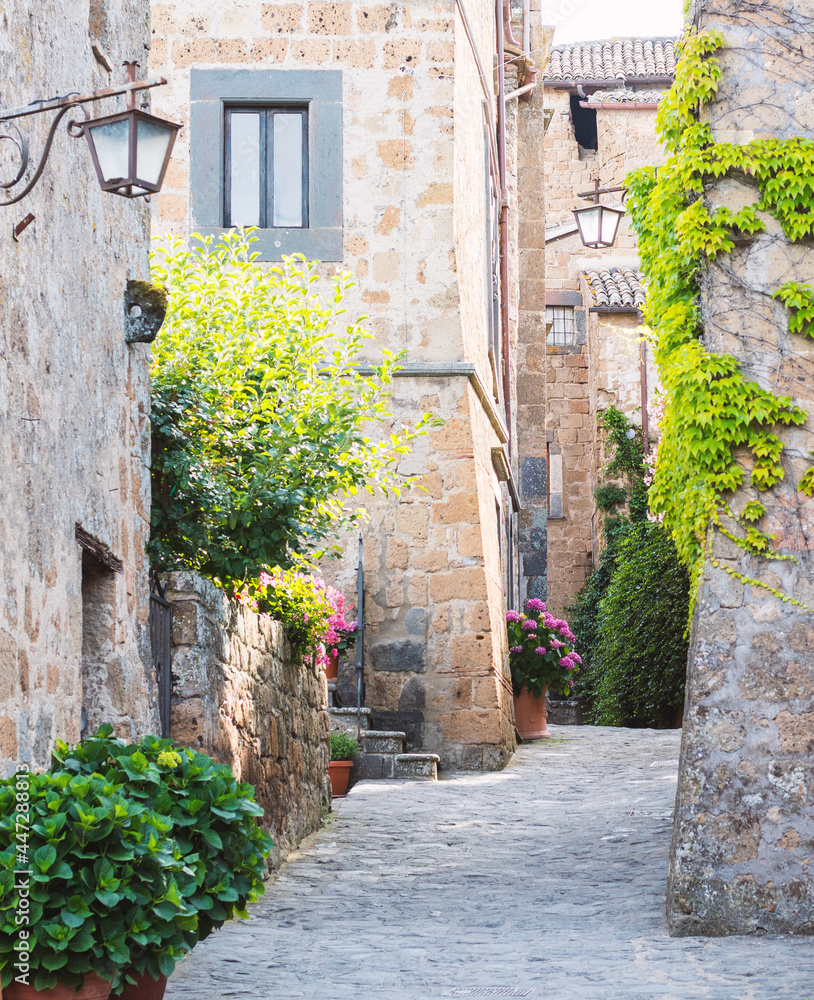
x=130, y=150
x=598, y=224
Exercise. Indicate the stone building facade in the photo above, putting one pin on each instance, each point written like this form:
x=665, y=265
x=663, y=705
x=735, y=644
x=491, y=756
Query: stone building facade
x=403, y=190
x=601, y=98
x=744, y=830
x=74, y=404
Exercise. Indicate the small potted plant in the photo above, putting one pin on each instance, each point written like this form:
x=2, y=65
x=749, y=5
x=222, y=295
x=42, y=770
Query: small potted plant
x=344, y=750
x=99, y=872
x=214, y=830
x=542, y=657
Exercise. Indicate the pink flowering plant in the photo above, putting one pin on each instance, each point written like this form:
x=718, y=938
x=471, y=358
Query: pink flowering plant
x=541, y=650
x=314, y=614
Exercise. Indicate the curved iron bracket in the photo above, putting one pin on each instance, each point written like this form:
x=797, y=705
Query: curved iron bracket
x=61, y=105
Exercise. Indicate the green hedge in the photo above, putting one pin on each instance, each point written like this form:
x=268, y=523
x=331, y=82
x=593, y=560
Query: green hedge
x=640, y=658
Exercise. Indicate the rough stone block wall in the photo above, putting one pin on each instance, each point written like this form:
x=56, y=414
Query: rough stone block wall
x=744, y=830
x=240, y=696
x=74, y=404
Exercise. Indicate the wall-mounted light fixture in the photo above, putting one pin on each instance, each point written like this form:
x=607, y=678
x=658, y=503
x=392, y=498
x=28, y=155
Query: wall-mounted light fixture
x=130, y=150
x=598, y=224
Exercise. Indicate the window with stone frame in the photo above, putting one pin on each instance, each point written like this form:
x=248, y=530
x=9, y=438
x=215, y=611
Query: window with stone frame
x=266, y=151
x=561, y=326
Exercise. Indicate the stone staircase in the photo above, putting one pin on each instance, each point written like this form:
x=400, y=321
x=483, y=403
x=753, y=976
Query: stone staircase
x=382, y=753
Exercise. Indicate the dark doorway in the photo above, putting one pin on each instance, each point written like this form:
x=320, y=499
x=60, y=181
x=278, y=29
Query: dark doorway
x=98, y=639
x=584, y=122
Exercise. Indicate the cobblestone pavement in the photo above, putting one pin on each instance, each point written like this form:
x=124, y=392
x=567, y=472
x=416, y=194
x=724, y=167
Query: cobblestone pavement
x=547, y=877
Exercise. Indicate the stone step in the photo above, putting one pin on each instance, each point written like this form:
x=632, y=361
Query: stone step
x=421, y=766
x=345, y=719
x=381, y=741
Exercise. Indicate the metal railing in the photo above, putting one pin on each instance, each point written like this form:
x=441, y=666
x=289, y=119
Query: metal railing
x=360, y=642
x=161, y=646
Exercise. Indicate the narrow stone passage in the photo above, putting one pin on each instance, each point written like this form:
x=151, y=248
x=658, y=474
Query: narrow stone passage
x=546, y=880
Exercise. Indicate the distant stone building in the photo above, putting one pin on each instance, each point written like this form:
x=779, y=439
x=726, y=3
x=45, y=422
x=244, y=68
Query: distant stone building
x=389, y=112
x=601, y=98
x=74, y=406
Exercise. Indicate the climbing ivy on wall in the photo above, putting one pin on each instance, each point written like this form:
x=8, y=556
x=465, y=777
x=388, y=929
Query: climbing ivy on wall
x=713, y=411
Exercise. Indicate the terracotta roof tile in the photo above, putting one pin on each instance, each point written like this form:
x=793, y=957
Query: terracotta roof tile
x=625, y=96
x=612, y=59
x=616, y=286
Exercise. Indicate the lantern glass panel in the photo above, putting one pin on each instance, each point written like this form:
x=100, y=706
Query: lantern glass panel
x=152, y=139
x=112, y=143
x=588, y=220
x=610, y=224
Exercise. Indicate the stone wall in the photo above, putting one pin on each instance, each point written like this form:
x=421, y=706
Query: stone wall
x=744, y=831
x=414, y=232
x=600, y=369
x=239, y=696
x=74, y=405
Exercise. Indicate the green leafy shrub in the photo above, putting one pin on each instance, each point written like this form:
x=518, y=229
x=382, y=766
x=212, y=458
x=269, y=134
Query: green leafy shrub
x=630, y=617
x=261, y=416
x=343, y=746
x=211, y=818
x=541, y=651
x=641, y=652
x=106, y=880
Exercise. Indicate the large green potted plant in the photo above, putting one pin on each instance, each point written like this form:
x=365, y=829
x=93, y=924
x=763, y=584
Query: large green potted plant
x=213, y=825
x=542, y=657
x=88, y=876
x=344, y=750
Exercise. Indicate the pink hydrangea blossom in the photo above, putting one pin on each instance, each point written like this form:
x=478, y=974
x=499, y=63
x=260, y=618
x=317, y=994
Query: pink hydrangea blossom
x=535, y=604
x=515, y=649
x=513, y=616
x=541, y=650
x=529, y=626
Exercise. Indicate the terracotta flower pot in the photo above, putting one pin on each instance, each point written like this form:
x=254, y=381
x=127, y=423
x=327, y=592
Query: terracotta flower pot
x=531, y=715
x=339, y=773
x=332, y=667
x=93, y=988
x=146, y=988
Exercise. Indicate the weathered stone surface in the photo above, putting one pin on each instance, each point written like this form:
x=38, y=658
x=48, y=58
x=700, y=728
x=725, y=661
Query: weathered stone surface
x=408, y=656
x=74, y=403
x=577, y=830
x=376, y=741
x=744, y=829
x=416, y=765
x=246, y=701
x=411, y=723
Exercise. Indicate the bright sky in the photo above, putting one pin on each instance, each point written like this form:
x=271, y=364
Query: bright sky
x=587, y=20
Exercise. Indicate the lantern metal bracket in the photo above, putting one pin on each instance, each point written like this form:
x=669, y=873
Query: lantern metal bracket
x=597, y=191
x=61, y=105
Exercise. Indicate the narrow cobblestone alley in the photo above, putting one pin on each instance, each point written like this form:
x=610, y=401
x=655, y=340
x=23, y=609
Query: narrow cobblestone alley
x=546, y=880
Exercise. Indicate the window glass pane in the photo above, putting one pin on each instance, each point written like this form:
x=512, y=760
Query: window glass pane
x=562, y=325
x=244, y=164
x=288, y=153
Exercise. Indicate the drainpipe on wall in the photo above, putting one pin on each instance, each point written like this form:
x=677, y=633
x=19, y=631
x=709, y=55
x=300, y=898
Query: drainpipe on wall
x=503, y=228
